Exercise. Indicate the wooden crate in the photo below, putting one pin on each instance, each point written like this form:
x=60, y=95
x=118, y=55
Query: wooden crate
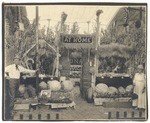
x=117, y=104
x=100, y=101
x=24, y=104
x=26, y=101
x=21, y=107
x=61, y=105
x=124, y=99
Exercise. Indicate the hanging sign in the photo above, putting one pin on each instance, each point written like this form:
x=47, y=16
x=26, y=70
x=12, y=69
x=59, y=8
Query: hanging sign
x=77, y=40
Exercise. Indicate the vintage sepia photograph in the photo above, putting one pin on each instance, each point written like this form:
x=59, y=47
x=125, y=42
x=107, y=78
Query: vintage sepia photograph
x=74, y=62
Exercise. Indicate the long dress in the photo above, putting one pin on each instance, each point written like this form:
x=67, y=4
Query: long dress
x=140, y=83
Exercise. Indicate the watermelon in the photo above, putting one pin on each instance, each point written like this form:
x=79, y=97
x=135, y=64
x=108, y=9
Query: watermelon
x=101, y=88
x=112, y=91
x=54, y=85
x=22, y=89
x=121, y=90
x=42, y=85
x=67, y=85
x=129, y=88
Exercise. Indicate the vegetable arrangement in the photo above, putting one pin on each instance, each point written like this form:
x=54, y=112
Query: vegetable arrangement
x=102, y=91
x=60, y=92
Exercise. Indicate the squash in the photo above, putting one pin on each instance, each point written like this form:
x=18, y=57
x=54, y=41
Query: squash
x=67, y=85
x=42, y=85
x=54, y=85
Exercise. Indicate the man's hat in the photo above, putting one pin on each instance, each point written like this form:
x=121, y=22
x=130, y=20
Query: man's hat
x=140, y=67
x=17, y=57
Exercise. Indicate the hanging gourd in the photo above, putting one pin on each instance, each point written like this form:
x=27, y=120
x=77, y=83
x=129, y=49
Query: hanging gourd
x=92, y=70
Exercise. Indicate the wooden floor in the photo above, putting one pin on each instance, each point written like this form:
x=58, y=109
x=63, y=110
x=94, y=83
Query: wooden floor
x=82, y=111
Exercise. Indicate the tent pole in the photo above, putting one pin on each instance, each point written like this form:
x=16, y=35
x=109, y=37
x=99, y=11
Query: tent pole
x=98, y=12
x=37, y=48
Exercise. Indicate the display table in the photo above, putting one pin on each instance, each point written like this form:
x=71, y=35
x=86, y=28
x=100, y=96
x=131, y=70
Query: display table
x=115, y=80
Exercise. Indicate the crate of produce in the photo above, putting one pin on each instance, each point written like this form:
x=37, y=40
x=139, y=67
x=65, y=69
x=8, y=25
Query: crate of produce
x=21, y=107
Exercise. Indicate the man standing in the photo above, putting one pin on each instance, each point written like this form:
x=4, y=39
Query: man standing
x=12, y=75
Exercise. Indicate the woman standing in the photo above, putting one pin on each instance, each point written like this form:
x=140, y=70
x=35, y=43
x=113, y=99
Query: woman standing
x=139, y=83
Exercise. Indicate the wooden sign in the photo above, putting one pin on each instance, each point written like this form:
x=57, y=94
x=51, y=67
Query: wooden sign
x=75, y=68
x=77, y=40
x=75, y=61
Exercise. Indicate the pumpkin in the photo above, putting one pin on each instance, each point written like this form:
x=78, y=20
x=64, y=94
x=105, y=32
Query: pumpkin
x=101, y=88
x=121, y=90
x=42, y=85
x=67, y=85
x=22, y=89
x=54, y=85
x=129, y=88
